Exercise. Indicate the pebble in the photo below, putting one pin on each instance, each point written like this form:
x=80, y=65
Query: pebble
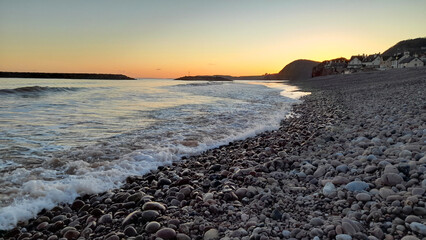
x=340, y=180
x=154, y=206
x=286, y=233
x=410, y=237
x=364, y=197
x=71, y=234
x=149, y=215
x=181, y=236
x=166, y=233
x=329, y=190
x=356, y=186
x=342, y=168
x=418, y=228
x=419, y=211
x=319, y=172
x=131, y=217
x=385, y=192
x=412, y=218
x=391, y=179
x=107, y=218
x=130, y=231
x=418, y=191
x=152, y=227
x=343, y=237
x=316, y=222
x=212, y=234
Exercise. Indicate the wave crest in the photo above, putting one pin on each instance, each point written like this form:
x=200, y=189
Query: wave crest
x=35, y=90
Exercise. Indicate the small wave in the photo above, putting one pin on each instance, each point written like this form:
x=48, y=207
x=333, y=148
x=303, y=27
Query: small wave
x=35, y=90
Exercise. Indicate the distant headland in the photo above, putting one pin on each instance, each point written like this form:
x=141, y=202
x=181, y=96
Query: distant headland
x=203, y=78
x=97, y=76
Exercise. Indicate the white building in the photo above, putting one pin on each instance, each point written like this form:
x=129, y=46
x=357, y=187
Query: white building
x=386, y=63
x=372, y=61
x=355, y=62
x=411, y=62
x=398, y=58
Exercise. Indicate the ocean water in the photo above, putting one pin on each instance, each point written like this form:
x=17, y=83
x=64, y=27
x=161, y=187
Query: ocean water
x=63, y=138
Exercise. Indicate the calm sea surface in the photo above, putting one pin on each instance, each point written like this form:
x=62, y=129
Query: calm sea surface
x=63, y=138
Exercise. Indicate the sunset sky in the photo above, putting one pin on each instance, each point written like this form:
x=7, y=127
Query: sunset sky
x=170, y=38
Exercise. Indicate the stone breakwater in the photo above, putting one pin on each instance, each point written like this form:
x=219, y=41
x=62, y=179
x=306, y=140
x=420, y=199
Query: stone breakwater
x=348, y=164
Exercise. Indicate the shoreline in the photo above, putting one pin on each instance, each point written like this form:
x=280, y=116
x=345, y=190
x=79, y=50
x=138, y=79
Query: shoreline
x=295, y=182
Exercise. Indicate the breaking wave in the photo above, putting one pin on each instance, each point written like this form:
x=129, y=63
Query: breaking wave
x=35, y=90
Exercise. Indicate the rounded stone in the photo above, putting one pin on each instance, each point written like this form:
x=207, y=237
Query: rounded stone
x=340, y=180
x=164, y=181
x=207, y=197
x=153, y=206
x=316, y=232
x=418, y=191
x=181, y=236
x=316, y=222
x=71, y=234
x=149, y=215
x=42, y=226
x=342, y=168
x=166, y=233
x=391, y=179
x=364, y=197
x=418, y=227
x=419, y=211
x=107, y=218
x=131, y=217
x=356, y=186
x=77, y=204
x=412, y=218
x=329, y=190
x=286, y=233
x=212, y=234
x=130, y=231
x=410, y=237
x=113, y=237
x=241, y=192
x=152, y=227
x=343, y=237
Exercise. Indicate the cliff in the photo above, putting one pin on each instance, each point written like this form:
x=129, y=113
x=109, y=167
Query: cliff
x=297, y=70
x=64, y=75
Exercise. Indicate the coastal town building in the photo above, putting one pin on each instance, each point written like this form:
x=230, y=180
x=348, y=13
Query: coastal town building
x=411, y=62
x=386, y=63
x=355, y=62
x=372, y=61
x=398, y=58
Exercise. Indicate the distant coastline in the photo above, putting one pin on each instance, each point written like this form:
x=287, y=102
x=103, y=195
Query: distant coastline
x=204, y=78
x=96, y=76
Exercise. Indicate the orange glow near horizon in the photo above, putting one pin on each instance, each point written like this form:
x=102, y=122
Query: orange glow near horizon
x=167, y=40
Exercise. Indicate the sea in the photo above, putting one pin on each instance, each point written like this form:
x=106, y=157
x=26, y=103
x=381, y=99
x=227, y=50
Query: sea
x=63, y=138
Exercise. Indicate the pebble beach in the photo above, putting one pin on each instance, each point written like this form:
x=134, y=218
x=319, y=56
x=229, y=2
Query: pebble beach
x=348, y=163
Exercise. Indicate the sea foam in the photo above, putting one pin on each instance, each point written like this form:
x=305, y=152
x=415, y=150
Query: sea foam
x=183, y=130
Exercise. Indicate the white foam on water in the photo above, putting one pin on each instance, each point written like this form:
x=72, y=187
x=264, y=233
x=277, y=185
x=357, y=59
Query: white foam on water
x=60, y=181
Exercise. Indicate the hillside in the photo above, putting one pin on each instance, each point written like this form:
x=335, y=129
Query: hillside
x=297, y=70
x=64, y=75
x=414, y=46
